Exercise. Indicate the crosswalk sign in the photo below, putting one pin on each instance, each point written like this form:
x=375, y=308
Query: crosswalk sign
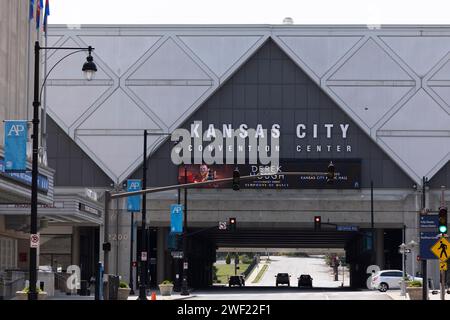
x=441, y=249
x=442, y=266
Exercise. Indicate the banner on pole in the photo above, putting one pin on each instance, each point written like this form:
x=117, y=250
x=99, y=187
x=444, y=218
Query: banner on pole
x=134, y=202
x=16, y=134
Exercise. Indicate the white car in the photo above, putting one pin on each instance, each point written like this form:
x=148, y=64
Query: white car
x=389, y=279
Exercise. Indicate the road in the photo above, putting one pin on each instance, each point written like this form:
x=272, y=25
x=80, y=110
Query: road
x=284, y=293
x=295, y=266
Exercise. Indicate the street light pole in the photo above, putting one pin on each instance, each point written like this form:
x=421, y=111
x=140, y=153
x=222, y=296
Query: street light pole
x=89, y=68
x=184, y=283
x=143, y=252
x=32, y=294
x=131, y=253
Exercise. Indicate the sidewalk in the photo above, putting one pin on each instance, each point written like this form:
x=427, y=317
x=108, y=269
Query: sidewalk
x=395, y=295
x=160, y=297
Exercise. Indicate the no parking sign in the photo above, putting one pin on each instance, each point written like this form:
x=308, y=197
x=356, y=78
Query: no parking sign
x=34, y=240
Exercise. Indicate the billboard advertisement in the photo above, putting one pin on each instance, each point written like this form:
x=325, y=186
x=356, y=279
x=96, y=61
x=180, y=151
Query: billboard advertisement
x=348, y=174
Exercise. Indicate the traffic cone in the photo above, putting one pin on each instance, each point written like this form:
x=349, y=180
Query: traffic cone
x=153, y=296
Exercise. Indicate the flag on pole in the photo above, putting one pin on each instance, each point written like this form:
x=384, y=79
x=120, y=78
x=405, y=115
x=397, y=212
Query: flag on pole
x=39, y=6
x=46, y=14
x=31, y=10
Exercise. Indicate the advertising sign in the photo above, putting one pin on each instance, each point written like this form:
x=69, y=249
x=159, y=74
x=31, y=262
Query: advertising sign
x=16, y=134
x=134, y=202
x=348, y=174
x=176, y=218
x=24, y=177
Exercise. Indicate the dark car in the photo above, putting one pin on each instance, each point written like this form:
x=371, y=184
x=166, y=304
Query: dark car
x=236, y=281
x=282, y=278
x=305, y=280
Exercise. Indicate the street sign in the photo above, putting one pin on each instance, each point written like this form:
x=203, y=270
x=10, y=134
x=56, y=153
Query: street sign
x=427, y=240
x=347, y=228
x=177, y=254
x=222, y=225
x=143, y=256
x=176, y=218
x=185, y=265
x=34, y=241
x=443, y=266
x=429, y=221
x=441, y=249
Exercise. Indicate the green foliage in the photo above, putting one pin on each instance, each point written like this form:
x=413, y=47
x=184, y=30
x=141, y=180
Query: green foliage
x=123, y=284
x=27, y=289
x=414, y=284
x=246, y=259
x=214, y=270
x=228, y=259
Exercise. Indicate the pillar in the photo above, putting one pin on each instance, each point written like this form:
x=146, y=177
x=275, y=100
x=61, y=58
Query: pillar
x=379, y=248
x=160, y=255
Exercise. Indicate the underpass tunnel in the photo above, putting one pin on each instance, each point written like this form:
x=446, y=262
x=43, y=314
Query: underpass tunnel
x=203, y=245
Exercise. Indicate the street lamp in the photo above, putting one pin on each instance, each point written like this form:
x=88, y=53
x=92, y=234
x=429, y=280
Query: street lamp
x=412, y=245
x=89, y=68
x=403, y=288
x=143, y=250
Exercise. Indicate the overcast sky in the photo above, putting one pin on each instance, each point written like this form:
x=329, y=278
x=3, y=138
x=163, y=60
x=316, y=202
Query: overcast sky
x=249, y=11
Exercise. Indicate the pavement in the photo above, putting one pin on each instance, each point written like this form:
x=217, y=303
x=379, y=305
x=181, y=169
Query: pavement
x=396, y=295
x=322, y=274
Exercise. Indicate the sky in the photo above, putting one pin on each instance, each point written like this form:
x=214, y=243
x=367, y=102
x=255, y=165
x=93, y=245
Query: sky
x=249, y=11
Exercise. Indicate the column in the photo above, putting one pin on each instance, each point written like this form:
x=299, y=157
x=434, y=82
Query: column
x=379, y=248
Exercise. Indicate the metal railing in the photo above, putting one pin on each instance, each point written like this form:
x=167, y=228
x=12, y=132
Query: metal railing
x=10, y=282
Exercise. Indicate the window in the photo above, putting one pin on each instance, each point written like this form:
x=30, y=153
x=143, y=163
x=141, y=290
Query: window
x=8, y=253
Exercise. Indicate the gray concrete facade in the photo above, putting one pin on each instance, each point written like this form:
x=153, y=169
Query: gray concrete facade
x=279, y=82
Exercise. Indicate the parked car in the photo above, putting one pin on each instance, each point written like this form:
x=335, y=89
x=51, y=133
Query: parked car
x=282, y=278
x=236, y=281
x=242, y=280
x=305, y=280
x=389, y=279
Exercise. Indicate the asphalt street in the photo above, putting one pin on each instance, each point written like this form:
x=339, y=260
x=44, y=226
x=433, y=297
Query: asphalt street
x=315, y=266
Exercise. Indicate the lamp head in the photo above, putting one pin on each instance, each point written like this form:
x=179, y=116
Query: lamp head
x=89, y=68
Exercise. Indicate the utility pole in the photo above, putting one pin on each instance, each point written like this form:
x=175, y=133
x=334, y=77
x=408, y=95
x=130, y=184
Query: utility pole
x=442, y=271
x=184, y=283
x=143, y=251
x=424, y=261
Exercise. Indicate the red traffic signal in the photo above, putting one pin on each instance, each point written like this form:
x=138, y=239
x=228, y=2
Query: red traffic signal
x=232, y=224
x=317, y=222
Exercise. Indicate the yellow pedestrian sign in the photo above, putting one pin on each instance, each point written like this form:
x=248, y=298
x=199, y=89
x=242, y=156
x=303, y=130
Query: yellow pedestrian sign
x=441, y=249
x=442, y=266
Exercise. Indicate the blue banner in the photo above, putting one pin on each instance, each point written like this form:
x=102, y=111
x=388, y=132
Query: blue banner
x=176, y=218
x=16, y=134
x=134, y=202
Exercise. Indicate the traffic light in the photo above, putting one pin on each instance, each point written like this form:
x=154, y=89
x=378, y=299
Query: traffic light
x=330, y=173
x=232, y=224
x=443, y=220
x=236, y=178
x=317, y=222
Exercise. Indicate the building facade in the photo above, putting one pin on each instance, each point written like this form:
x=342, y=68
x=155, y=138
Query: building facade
x=373, y=101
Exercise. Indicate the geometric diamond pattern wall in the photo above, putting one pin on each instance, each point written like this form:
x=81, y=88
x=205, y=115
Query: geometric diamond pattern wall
x=394, y=82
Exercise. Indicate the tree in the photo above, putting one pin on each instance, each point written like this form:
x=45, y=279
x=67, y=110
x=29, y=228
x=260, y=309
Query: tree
x=228, y=259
